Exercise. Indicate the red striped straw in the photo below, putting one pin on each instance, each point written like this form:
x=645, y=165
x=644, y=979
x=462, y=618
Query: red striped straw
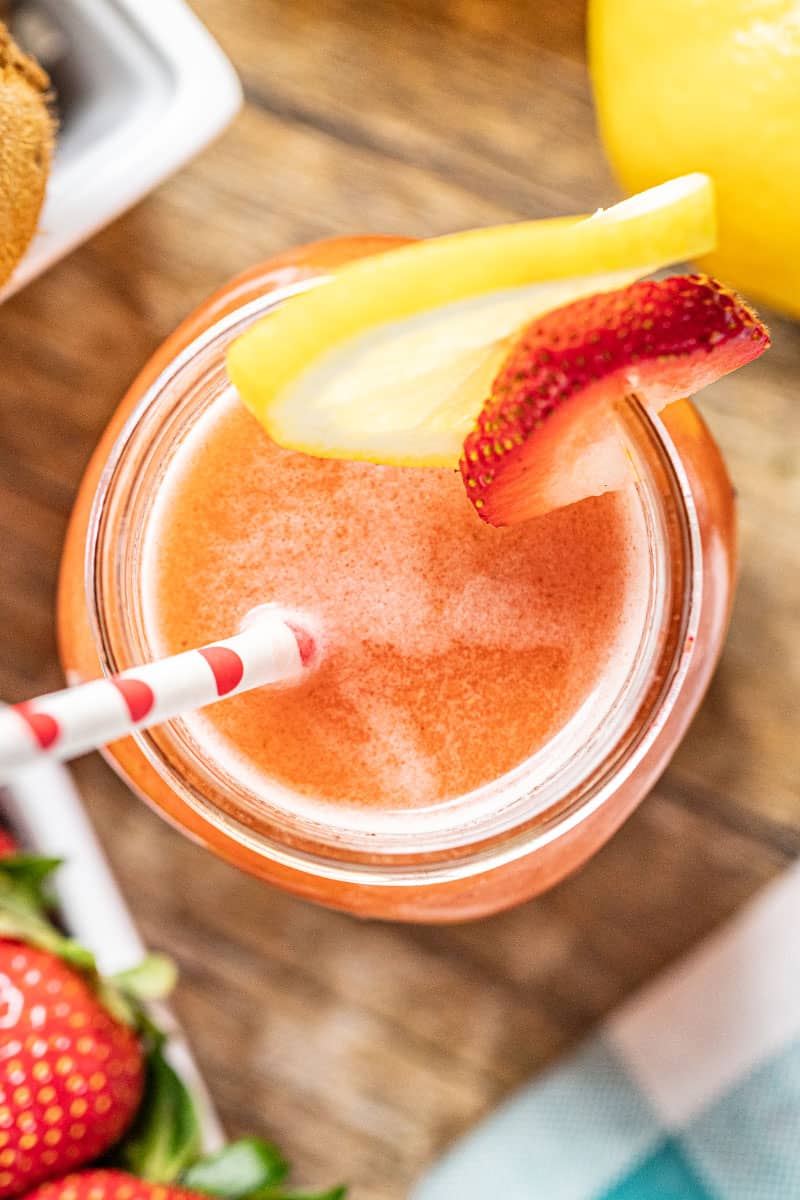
x=275, y=647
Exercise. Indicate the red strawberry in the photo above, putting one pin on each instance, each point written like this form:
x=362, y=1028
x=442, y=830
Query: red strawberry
x=108, y=1185
x=551, y=404
x=119, y=1185
x=71, y=1074
x=7, y=844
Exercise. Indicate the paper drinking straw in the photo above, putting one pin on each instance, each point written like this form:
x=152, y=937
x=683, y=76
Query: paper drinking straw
x=275, y=647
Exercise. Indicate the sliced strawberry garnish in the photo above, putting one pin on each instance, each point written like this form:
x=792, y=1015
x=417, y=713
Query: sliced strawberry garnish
x=545, y=437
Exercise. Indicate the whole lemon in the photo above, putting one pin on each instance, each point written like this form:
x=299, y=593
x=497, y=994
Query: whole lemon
x=711, y=85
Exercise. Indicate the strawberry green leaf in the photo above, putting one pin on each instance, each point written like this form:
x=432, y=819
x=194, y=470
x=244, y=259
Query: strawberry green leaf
x=36, y=867
x=24, y=905
x=22, y=878
x=244, y=1168
x=152, y=979
x=17, y=921
x=165, y=1137
x=126, y=994
x=336, y=1193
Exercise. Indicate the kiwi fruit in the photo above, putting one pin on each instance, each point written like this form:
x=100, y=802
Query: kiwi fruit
x=27, y=132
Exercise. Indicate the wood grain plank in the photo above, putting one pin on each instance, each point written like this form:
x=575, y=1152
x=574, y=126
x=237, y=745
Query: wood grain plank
x=486, y=108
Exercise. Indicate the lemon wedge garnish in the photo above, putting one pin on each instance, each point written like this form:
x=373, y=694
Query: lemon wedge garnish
x=390, y=359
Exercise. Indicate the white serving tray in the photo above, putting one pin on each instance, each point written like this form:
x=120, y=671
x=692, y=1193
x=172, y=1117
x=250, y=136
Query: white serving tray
x=44, y=812
x=144, y=88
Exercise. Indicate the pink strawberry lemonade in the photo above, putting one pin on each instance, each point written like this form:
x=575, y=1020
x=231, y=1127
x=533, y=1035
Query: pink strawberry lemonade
x=492, y=703
x=453, y=652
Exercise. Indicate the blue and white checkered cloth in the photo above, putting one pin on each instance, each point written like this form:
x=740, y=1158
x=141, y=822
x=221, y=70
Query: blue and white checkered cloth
x=690, y=1091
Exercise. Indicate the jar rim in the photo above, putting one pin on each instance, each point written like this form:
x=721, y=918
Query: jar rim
x=489, y=847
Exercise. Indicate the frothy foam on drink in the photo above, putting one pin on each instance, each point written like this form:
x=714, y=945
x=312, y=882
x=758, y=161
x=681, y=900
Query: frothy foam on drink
x=453, y=651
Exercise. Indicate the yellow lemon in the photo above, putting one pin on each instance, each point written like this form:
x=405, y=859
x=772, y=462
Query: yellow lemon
x=711, y=85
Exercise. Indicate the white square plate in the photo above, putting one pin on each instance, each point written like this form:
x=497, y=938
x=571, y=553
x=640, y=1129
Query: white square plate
x=142, y=87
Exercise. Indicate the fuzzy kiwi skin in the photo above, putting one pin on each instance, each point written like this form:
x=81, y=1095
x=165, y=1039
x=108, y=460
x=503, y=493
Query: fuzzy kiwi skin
x=26, y=148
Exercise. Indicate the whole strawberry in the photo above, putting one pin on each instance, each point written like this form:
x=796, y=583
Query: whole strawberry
x=7, y=843
x=108, y=1185
x=71, y=1074
x=221, y=1177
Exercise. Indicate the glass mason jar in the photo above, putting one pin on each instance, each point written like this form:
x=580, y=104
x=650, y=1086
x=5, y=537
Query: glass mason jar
x=538, y=830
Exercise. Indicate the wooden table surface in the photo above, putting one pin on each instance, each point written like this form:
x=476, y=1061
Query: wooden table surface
x=363, y=1049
